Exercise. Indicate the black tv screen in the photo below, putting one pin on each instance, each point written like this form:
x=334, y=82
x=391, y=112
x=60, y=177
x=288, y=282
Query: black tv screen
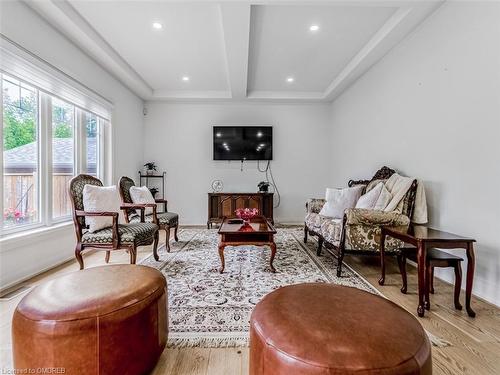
x=243, y=142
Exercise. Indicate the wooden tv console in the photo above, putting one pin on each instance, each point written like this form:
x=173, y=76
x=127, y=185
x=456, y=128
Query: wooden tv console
x=224, y=204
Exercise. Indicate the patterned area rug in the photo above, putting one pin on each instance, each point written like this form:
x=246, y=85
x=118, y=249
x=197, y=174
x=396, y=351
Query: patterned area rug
x=208, y=309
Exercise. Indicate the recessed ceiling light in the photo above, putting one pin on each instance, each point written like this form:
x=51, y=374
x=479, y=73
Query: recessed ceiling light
x=185, y=78
x=314, y=28
x=157, y=25
x=290, y=79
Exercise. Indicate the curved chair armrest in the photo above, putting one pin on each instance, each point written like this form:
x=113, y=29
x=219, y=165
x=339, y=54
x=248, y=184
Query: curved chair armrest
x=315, y=205
x=114, y=215
x=142, y=207
x=81, y=213
x=164, y=202
x=361, y=216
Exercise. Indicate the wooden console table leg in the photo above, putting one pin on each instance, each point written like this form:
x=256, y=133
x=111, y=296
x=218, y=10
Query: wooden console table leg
x=428, y=281
x=221, y=256
x=458, y=285
x=421, y=256
x=272, y=245
x=471, y=263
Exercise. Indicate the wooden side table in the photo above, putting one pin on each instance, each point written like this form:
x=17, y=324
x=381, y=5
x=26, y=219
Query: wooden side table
x=423, y=238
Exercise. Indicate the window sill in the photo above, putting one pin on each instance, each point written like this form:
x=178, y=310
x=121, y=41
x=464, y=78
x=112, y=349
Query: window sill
x=15, y=240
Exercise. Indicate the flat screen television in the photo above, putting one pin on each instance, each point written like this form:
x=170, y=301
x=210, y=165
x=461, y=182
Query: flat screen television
x=243, y=142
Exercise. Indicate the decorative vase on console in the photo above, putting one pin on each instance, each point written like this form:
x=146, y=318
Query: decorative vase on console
x=246, y=214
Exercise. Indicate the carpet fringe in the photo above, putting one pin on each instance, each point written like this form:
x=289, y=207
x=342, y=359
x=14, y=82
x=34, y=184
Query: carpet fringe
x=208, y=342
x=242, y=341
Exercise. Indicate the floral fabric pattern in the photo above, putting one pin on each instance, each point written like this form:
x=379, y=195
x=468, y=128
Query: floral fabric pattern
x=362, y=216
x=315, y=205
x=362, y=229
x=331, y=231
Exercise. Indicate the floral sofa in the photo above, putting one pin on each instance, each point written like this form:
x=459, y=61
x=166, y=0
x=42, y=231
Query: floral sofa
x=359, y=230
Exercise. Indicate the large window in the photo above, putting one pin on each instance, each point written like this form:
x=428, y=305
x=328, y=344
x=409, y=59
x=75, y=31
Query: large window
x=63, y=156
x=20, y=154
x=92, y=137
x=46, y=141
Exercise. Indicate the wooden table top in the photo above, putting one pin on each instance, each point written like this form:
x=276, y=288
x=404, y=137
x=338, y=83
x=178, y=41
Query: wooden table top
x=258, y=225
x=421, y=232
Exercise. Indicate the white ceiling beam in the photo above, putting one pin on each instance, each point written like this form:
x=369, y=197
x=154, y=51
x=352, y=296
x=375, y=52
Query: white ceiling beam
x=235, y=19
x=188, y=94
x=397, y=27
x=66, y=19
x=286, y=95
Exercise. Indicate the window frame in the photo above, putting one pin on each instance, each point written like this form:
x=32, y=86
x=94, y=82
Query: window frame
x=49, y=80
x=44, y=162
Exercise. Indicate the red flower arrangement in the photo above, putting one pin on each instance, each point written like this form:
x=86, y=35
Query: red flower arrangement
x=246, y=213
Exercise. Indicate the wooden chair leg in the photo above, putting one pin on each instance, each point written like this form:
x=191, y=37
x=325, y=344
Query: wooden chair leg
x=381, y=281
x=320, y=246
x=340, y=259
x=78, y=255
x=305, y=233
x=155, y=247
x=108, y=254
x=133, y=254
x=431, y=281
x=458, y=285
x=175, y=233
x=167, y=238
x=428, y=280
x=402, y=269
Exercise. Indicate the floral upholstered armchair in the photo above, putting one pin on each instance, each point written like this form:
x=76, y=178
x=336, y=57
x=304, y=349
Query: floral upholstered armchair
x=359, y=230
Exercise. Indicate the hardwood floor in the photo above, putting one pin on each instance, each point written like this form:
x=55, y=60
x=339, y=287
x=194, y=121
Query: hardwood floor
x=475, y=343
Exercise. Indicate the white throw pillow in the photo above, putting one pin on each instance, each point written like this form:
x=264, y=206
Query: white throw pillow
x=101, y=199
x=369, y=199
x=338, y=200
x=383, y=199
x=142, y=195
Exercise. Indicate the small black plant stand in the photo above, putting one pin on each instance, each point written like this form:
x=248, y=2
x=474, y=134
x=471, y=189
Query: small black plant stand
x=154, y=177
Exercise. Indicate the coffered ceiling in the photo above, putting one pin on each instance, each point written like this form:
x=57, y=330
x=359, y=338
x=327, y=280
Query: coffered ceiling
x=236, y=50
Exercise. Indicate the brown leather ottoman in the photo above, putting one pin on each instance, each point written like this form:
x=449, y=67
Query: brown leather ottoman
x=330, y=329
x=102, y=320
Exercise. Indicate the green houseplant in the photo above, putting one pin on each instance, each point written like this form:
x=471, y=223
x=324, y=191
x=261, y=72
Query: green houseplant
x=151, y=167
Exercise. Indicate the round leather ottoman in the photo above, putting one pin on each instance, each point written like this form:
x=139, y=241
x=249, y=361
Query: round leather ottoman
x=102, y=320
x=330, y=329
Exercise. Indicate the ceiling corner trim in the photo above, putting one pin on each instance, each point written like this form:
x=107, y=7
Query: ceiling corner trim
x=404, y=20
x=61, y=15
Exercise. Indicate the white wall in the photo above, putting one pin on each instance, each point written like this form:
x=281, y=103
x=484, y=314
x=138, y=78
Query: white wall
x=21, y=258
x=179, y=138
x=431, y=108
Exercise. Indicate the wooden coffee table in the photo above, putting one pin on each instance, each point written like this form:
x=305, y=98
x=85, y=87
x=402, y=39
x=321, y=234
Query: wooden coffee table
x=259, y=232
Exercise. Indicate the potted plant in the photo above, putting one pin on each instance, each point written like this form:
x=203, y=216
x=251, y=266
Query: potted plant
x=263, y=186
x=154, y=191
x=150, y=168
